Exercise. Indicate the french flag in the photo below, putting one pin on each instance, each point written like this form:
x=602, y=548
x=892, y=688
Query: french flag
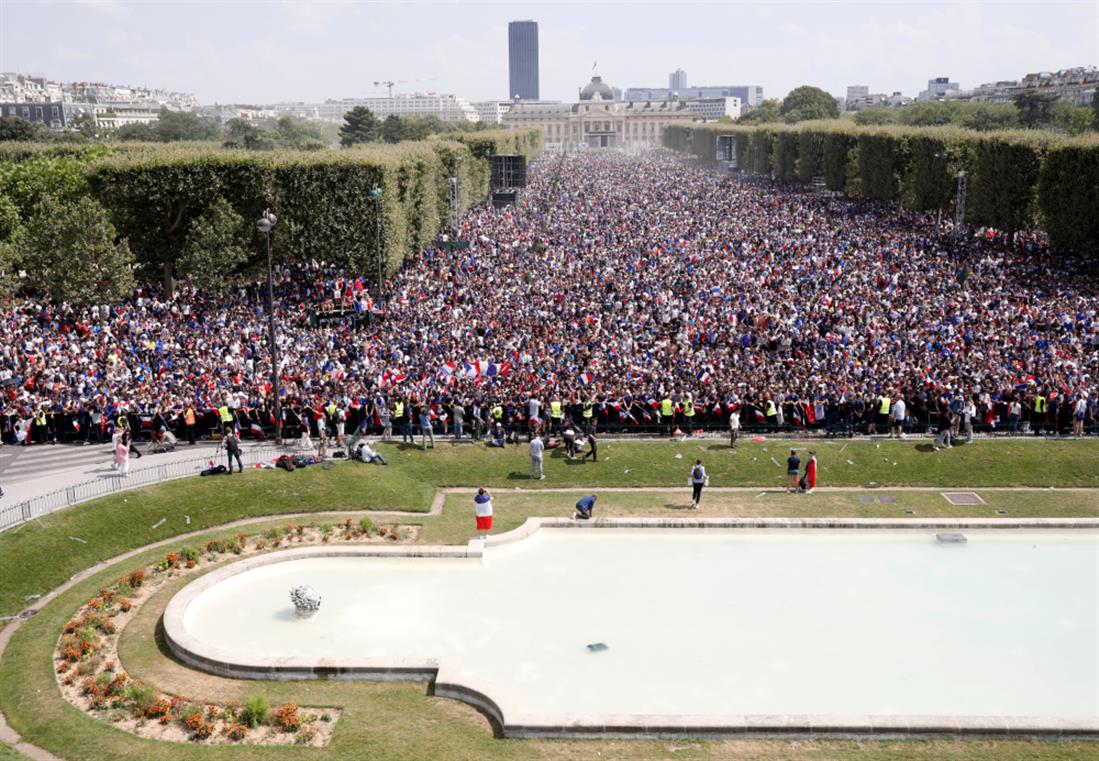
x=704, y=376
x=448, y=368
x=586, y=378
x=492, y=370
x=1024, y=382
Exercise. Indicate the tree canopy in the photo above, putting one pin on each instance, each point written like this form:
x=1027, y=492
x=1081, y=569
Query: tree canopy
x=359, y=126
x=765, y=113
x=808, y=102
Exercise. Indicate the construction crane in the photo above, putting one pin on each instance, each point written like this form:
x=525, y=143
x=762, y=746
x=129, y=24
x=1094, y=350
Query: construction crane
x=390, y=82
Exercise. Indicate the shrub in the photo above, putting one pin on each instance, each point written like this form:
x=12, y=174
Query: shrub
x=288, y=718
x=125, y=605
x=214, y=546
x=254, y=712
x=136, y=578
x=366, y=526
x=189, y=553
x=326, y=528
x=261, y=544
x=142, y=697
x=305, y=735
x=236, y=732
x=159, y=708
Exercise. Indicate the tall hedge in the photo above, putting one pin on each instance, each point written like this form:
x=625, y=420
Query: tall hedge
x=322, y=198
x=1016, y=180
x=1068, y=194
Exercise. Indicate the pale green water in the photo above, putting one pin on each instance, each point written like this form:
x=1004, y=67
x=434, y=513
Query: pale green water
x=712, y=622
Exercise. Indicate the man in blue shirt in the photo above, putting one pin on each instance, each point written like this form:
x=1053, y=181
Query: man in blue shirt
x=585, y=507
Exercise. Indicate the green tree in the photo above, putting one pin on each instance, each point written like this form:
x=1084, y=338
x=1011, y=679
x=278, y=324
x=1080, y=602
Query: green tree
x=71, y=253
x=765, y=113
x=299, y=134
x=1035, y=109
x=1075, y=120
x=240, y=133
x=359, y=126
x=874, y=116
x=85, y=125
x=144, y=133
x=1095, y=109
x=986, y=117
x=808, y=102
x=14, y=128
x=928, y=113
x=393, y=129
x=216, y=246
x=27, y=183
x=174, y=126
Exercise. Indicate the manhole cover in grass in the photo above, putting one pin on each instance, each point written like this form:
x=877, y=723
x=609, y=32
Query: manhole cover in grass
x=963, y=497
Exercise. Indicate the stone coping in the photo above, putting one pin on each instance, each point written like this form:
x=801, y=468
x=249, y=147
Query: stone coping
x=449, y=680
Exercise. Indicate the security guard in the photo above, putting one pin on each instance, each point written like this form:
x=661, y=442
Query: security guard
x=1038, y=416
x=589, y=405
x=689, y=412
x=556, y=414
x=667, y=413
x=884, y=403
x=771, y=414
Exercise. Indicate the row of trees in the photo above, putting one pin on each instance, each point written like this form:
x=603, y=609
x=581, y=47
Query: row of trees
x=360, y=126
x=81, y=226
x=1018, y=180
x=1030, y=110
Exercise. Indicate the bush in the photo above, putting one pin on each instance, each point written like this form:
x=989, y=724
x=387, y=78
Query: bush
x=288, y=718
x=135, y=579
x=254, y=711
x=236, y=732
x=366, y=526
x=142, y=697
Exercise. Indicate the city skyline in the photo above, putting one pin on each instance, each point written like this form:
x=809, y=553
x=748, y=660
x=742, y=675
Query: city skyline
x=292, y=51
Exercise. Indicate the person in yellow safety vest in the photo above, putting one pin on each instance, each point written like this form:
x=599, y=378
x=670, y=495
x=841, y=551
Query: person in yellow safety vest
x=688, y=409
x=497, y=412
x=667, y=413
x=884, y=403
x=189, y=421
x=405, y=417
x=1038, y=416
x=556, y=414
x=589, y=420
x=225, y=416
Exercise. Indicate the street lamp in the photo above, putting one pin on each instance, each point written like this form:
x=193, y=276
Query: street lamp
x=376, y=196
x=265, y=225
x=941, y=156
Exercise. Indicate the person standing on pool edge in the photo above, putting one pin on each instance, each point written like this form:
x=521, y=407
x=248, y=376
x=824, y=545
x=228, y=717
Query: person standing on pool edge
x=698, y=480
x=793, y=462
x=482, y=506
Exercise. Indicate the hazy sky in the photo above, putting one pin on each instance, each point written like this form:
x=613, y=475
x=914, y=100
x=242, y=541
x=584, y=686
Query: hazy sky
x=269, y=50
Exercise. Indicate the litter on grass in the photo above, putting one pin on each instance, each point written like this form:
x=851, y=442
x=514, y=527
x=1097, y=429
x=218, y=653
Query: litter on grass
x=78, y=539
x=850, y=463
x=678, y=456
x=775, y=462
x=160, y=523
x=187, y=520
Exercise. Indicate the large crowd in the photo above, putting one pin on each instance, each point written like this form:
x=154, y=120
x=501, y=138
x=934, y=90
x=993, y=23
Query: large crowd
x=627, y=292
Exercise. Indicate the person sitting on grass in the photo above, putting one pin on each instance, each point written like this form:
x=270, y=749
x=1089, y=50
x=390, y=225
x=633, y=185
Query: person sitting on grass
x=585, y=507
x=366, y=454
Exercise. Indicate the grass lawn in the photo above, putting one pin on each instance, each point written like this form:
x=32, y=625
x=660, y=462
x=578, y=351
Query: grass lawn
x=382, y=722
x=7, y=754
x=40, y=555
x=399, y=720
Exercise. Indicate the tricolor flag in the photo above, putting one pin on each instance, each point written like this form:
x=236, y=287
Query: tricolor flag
x=704, y=376
x=586, y=378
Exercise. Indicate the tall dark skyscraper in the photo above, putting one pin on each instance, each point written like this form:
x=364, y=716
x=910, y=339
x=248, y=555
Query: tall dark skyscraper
x=523, y=59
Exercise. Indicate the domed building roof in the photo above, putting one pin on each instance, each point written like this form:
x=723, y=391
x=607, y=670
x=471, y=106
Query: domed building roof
x=597, y=89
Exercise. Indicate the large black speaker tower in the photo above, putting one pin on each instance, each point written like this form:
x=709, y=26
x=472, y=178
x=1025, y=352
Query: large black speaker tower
x=508, y=172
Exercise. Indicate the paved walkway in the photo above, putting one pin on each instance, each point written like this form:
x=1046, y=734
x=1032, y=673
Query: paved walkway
x=27, y=472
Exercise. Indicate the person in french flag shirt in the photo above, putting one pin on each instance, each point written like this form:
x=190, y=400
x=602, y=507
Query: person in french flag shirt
x=482, y=507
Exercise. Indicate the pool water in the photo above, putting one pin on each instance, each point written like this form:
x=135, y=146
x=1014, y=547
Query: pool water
x=711, y=622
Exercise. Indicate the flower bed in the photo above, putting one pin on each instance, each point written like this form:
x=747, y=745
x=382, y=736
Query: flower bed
x=90, y=677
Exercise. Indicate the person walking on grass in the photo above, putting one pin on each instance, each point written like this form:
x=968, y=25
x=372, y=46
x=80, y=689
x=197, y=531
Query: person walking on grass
x=482, y=507
x=697, y=480
x=230, y=442
x=793, y=463
x=593, y=450
x=537, y=450
x=809, y=480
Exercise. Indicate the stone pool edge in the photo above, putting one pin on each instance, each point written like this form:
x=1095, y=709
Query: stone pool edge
x=447, y=680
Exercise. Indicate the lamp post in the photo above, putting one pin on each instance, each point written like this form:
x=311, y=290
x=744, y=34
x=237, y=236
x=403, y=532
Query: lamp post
x=265, y=225
x=376, y=196
x=941, y=156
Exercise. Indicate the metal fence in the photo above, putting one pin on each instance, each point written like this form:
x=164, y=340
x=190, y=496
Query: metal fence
x=44, y=504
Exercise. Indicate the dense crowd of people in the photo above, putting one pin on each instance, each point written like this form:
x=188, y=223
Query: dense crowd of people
x=641, y=293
